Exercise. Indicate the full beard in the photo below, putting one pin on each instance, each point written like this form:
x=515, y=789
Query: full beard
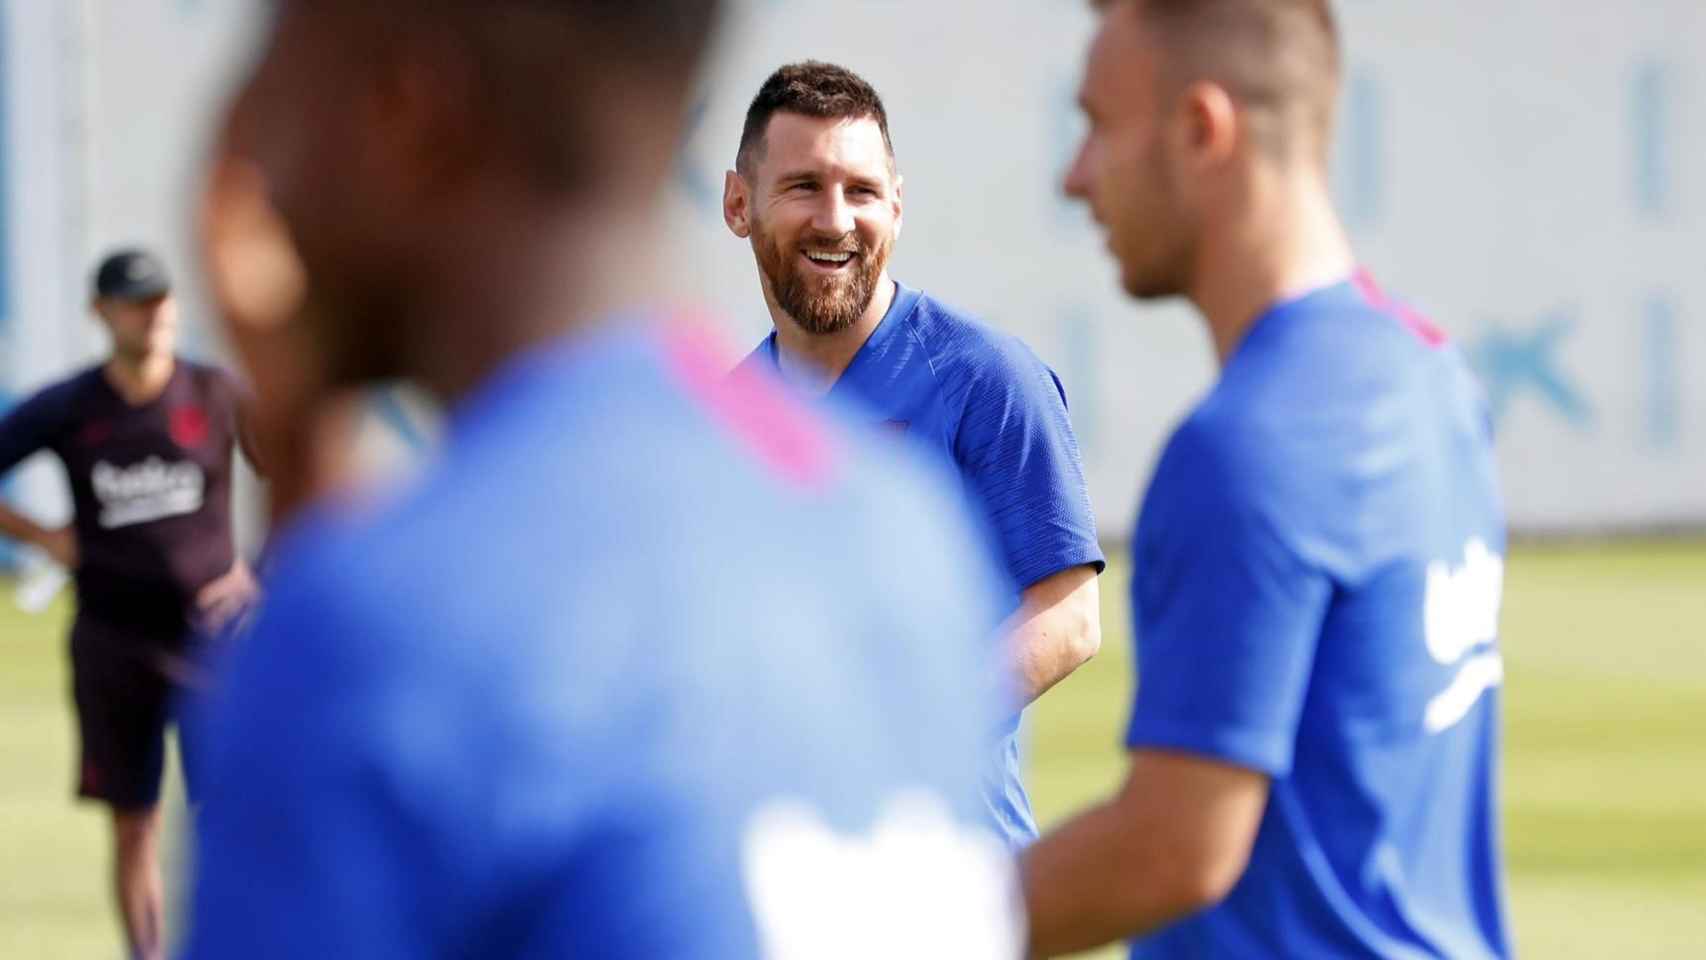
x=822, y=305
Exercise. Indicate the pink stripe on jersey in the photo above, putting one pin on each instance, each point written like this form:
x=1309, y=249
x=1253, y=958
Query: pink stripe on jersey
x=1421, y=326
x=784, y=436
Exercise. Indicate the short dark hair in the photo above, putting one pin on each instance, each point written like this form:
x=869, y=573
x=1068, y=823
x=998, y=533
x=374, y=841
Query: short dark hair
x=814, y=89
x=541, y=67
x=1279, y=59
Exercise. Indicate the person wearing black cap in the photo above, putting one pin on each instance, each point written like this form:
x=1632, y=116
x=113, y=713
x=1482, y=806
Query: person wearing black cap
x=146, y=439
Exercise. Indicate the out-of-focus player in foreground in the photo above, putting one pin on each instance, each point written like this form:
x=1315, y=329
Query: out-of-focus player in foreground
x=648, y=662
x=816, y=192
x=1314, y=742
x=147, y=440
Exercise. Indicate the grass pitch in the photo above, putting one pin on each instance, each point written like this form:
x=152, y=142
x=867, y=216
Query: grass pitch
x=1605, y=787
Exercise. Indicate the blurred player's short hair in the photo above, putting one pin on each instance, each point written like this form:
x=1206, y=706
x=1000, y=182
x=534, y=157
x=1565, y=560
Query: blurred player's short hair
x=539, y=67
x=1279, y=59
x=811, y=88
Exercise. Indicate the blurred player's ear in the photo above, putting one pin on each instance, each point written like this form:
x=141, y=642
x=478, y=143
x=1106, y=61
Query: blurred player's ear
x=737, y=204
x=1210, y=124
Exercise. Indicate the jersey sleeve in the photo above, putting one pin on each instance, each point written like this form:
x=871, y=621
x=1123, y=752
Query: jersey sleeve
x=308, y=843
x=1227, y=611
x=235, y=404
x=1017, y=452
x=32, y=426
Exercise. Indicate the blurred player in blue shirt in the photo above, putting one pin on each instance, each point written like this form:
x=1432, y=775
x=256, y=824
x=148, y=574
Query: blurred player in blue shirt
x=649, y=662
x=816, y=192
x=1315, y=739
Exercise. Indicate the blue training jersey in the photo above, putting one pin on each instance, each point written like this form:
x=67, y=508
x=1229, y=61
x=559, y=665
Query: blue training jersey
x=984, y=403
x=1318, y=567
x=649, y=663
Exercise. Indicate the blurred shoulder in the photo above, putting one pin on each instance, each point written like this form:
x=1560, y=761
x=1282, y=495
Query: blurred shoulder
x=55, y=406
x=68, y=388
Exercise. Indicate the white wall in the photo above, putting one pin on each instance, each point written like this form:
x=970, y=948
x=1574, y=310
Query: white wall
x=1526, y=172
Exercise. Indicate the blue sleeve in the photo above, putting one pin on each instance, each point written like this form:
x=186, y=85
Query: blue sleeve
x=1228, y=612
x=309, y=843
x=31, y=426
x=1018, y=454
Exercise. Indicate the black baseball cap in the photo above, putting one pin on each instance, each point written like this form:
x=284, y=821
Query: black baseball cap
x=133, y=275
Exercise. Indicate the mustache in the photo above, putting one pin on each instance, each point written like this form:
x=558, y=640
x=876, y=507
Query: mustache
x=847, y=243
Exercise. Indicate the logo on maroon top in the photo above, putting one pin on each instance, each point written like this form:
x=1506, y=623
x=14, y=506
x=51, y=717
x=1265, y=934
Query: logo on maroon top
x=189, y=427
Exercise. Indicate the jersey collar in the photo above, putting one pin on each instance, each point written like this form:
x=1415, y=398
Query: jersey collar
x=878, y=350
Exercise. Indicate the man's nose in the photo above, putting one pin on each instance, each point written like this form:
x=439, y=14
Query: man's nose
x=833, y=216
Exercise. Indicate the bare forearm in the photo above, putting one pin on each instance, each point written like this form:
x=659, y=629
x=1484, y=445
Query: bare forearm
x=1173, y=841
x=1057, y=630
x=1087, y=884
x=16, y=526
x=1042, y=660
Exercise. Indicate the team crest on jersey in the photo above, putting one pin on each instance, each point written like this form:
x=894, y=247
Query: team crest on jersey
x=1461, y=627
x=188, y=426
x=897, y=426
x=918, y=884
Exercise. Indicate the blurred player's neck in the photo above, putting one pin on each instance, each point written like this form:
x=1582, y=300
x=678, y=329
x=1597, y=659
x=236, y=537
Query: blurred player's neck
x=814, y=361
x=532, y=277
x=140, y=378
x=1286, y=240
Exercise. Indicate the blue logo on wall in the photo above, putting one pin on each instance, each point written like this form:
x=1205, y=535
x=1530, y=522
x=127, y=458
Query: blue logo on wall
x=693, y=181
x=1359, y=174
x=1650, y=127
x=1664, y=374
x=1516, y=362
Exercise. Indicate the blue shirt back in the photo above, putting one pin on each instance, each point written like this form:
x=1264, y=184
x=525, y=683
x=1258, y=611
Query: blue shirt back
x=984, y=403
x=1317, y=579
x=600, y=684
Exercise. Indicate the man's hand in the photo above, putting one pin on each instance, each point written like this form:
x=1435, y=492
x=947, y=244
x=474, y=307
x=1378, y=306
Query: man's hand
x=225, y=598
x=60, y=545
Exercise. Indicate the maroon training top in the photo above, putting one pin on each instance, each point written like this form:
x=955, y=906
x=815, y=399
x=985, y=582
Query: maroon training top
x=150, y=486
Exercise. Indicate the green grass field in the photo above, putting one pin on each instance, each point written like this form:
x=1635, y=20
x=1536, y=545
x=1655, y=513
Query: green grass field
x=1605, y=763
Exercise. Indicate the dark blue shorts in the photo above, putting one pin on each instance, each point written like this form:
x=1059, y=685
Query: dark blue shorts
x=128, y=685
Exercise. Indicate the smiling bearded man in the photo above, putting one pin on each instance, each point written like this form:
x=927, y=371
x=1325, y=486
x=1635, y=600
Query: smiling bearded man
x=816, y=191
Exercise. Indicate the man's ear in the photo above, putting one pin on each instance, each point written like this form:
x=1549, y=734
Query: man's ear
x=737, y=204
x=1210, y=125
x=899, y=204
